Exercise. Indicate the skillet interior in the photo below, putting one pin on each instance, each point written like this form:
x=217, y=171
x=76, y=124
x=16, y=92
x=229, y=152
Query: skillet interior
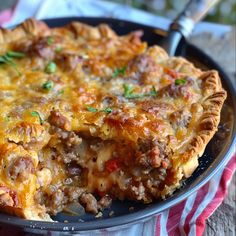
x=210, y=162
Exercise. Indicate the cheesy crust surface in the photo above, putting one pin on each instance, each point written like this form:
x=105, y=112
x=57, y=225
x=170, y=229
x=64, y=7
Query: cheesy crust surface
x=87, y=115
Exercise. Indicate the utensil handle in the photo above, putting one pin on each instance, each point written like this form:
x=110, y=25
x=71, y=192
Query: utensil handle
x=193, y=12
x=184, y=23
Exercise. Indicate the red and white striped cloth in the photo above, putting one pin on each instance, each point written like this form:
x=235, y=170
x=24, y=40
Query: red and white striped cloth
x=187, y=217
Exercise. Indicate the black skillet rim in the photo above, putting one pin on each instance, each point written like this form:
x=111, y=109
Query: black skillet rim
x=143, y=214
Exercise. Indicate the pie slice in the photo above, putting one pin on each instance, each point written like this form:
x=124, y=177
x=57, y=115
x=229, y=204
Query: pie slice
x=88, y=116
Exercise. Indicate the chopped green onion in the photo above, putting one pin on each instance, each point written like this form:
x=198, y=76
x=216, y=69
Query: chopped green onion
x=60, y=92
x=50, y=40
x=51, y=67
x=180, y=81
x=153, y=91
x=128, y=92
x=119, y=71
x=15, y=54
x=5, y=59
x=107, y=110
x=58, y=49
x=36, y=114
x=47, y=85
x=91, y=109
x=7, y=118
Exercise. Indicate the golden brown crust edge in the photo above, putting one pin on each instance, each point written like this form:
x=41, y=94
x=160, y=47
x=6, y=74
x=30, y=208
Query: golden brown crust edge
x=26, y=28
x=209, y=121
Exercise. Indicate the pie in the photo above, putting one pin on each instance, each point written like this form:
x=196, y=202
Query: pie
x=88, y=116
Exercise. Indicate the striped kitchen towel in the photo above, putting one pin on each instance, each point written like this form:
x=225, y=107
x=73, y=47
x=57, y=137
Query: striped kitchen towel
x=187, y=217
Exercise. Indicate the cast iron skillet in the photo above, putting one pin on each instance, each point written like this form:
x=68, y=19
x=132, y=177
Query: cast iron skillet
x=216, y=155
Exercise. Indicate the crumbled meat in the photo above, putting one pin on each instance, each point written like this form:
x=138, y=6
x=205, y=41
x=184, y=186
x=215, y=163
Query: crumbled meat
x=138, y=191
x=90, y=203
x=39, y=197
x=156, y=108
x=72, y=139
x=104, y=202
x=153, y=154
x=73, y=169
x=142, y=63
x=72, y=193
x=40, y=47
x=69, y=138
x=69, y=61
x=55, y=202
x=180, y=118
x=6, y=200
x=8, y=197
x=150, y=158
x=143, y=69
x=39, y=100
x=71, y=143
x=159, y=173
x=67, y=157
x=21, y=168
x=176, y=91
x=56, y=199
x=58, y=120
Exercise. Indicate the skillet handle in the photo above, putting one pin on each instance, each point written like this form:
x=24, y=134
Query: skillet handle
x=183, y=25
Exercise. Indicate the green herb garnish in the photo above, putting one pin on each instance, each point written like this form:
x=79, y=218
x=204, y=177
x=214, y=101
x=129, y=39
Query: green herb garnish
x=51, y=67
x=128, y=92
x=180, y=81
x=36, y=114
x=60, y=92
x=91, y=109
x=7, y=59
x=15, y=54
x=107, y=110
x=47, y=85
x=58, y=49
x=119, y=71
x=50, y=40
x=153, y=91
x=7, y=118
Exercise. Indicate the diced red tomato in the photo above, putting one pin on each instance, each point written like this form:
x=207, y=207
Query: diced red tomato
x=112, y=165
x=101, y=193
x=171, y=73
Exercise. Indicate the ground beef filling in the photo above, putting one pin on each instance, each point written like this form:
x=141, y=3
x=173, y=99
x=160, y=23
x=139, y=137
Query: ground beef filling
x=74, y=152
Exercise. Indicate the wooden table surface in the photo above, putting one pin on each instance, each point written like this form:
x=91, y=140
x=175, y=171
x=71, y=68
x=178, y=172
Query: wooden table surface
x=222, y=221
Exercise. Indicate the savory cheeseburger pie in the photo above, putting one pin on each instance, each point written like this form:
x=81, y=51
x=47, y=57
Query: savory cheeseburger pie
x=88, y=116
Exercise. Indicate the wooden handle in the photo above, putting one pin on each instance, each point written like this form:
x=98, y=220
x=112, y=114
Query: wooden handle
x=197, y=9
x=183, y=25
x=194, y=11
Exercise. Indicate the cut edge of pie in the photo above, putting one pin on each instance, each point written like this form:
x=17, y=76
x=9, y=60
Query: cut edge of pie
x=185, y=163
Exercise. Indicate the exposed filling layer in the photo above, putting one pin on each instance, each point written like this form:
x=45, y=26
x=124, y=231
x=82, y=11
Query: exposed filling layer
x=74, y=165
